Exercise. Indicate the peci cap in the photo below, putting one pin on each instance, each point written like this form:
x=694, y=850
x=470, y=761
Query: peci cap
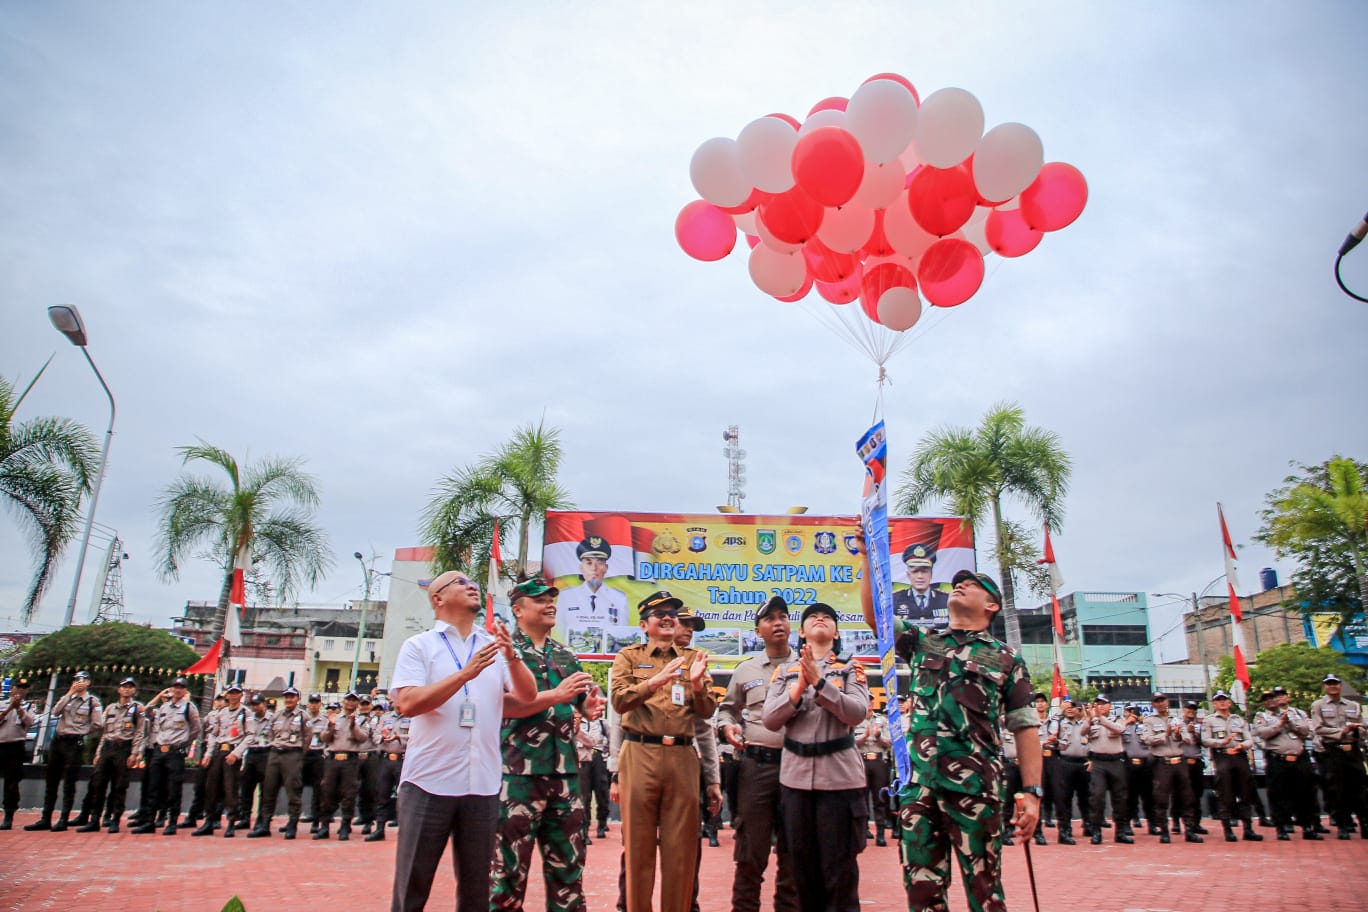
x=773, y=603
x=1331, y=678
x=919, y=554
x=315, y=698
x=594, y=546
x=987, y=582
x=531, y=588
x=659, y=599
x=689, y=619
x=256, y=699
x=1192, y=704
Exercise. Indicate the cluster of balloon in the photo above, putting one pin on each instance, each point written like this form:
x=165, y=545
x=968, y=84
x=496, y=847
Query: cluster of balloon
x=883, y=197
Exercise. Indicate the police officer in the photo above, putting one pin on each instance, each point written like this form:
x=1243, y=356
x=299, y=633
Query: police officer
x=874, y=744
x=593, y=735
x=660, y=691
x=755, y=810
x=1283, y=729
x=1071, y=777
x=1107, y=772
x=313, y=758
x=920, y=604
x=817, y=702
x=392, y=733
x=15, y=718
x=1165, y=736
x=1340, y=725
x=1139, y=773
x=1231, y=741
x=540, y=804
x=342, y=738
x=225, y=729
x=253, y=754
x=78, y=717
x=289, y=732
x=1195, y=765
x=368, y=770
x=175, y=726
x=197, y=753
x=1047, y=731
x=119, y=748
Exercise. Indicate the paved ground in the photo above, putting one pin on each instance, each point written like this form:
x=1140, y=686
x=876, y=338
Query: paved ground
x=66, y=871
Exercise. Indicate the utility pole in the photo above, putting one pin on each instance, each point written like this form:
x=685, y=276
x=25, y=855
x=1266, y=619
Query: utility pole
x=1201, y=645
x=368, y=573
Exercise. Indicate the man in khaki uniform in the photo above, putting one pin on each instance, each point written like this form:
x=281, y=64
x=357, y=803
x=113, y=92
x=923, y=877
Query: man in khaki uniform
x=1231, y=742
x=175, y=726
x=227, y=729
x=78, y=717
x=289, y=732
x=1291, y=784
x=660, y=691
x=1339, y=724
x=342, y=739
x=253, y=755
x=15, y=718
x=119, y=747
x=1107, y=772
x=1165, y=735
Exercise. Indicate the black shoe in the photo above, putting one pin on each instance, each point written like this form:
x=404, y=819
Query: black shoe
x=61, y=825
x=1039, y=838
x=378, y=835
x=322, y=832
x=81, y=820
x=1049, y=823
x=170, y=828
x=395, y=823
x=1006, y=840
x=313, y=827
x=366, y=830
x=207, y=828
x=229, y=829
x=42, y=823
x=344, y=831
x=1346, y=833
x=1310, y=833
x=1165, y=838
x=261, y=830
x=1322, y=829
x=1156, y=830
x=290, y=829
x=188, y=821
x=307, y=819
x=92, y=827
x=1106, y=825
x=8, y=822
x=601, y=834
x=1065, y=837
x=1096, y=837
x=1198, y=829
x=114, y=825
x=1192, y=837
x=1230, y=834
x=358, y=821
x=880, y=841
x=1125, y=837
x=1283, y=837
x=1265, y=822
x=713, y=843
x=145, y=828
x=1250, y=835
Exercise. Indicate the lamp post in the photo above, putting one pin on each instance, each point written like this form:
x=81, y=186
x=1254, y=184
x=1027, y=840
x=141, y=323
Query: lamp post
x=67, y=320
x=1350, y=242
x=1197, y=621
x=369, y=574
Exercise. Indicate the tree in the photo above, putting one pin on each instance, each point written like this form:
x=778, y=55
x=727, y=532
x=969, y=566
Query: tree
x=1297, y=666
x=514, y=485
x=110, y=652
x=46, y=466
x=266, y=511
x=1319, y=517
x=974, y=469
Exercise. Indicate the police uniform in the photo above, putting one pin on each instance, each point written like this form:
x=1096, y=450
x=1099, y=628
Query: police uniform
x=122, y=739
x=391, y=734
x=1340, y=725
x=252, y=755
x=823, y=817
x=593, y=771
x=1230, y=739
x=1106, y=755
x=289, y=732
x=1071, y=776
x=1194, y=762
x=755, y=806
x=874, y=744
x=175, y=726
x=929, y=609
x=658, y=768
x=342, y=739
x=15, y=719
x=368, y=772
x=78, y=717
x=539, y=799
x=313, y=758
x=963, y=681
x=1047, y=731
x=226, y=729
x=1165, y=735
x=1139, y=776
x=1291, y=783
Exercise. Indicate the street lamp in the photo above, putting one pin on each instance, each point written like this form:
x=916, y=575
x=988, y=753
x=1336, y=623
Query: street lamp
x=1350, y=242
x=1197, y=619
x=369, y=574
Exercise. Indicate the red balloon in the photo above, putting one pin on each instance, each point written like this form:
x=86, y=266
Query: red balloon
x=1055, y=198
x=752, y=240
x=748, y=204
x=826, y=265
x=951, y=270
x=878, y=280
x=902, y=80
x=799, y=294
x=704, y=231
x=841, y=292
x=788, y=119
x=877, y=245
x=1009, y=235
x=792, y=216
x=834, y=103
x=942, y=199
x=829, y=165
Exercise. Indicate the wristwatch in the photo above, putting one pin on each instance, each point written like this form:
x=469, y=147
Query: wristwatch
x=1033, y=790
x=821, y=683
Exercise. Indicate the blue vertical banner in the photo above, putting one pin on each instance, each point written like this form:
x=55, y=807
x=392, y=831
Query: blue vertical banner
x=873, y=452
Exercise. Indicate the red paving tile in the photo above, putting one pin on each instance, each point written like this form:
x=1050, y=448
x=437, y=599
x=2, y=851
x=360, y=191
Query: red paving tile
x=66, y=871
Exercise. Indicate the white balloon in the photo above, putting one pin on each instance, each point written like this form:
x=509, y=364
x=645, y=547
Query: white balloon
x=766, y=149
x=1013, y=203
x=882, y=115
x=768, y=240
x=1007, y=160
x=902, y=230
x=745, y=221
x=847, y=228
x=899, y=308
x=716, y=173
x=827, y=117
x=974, y=229
x=777, y=274
x=949, y=127
x=881, y=184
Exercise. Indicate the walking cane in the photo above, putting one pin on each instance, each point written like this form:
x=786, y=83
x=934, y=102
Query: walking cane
x=1030, y=868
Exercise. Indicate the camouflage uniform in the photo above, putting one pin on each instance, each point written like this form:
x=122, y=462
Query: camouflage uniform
x=962, y=681
x=540, y=801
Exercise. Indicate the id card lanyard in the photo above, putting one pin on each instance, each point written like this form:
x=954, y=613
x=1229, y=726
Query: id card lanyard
x=467, y=719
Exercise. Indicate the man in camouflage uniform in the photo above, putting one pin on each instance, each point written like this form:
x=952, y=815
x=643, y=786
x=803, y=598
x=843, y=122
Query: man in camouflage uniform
x=540, y=801
x=963, y=680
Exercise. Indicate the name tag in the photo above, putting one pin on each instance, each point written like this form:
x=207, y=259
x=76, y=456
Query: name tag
x=467, y=715
x=749, y=685
x=677, y=694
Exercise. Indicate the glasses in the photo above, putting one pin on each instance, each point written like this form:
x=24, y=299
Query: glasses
x=458, y=580
x=663, y=613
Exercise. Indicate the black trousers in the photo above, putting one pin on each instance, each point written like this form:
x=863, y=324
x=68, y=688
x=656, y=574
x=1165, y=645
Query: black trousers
x=1049, y=771
x=426, y=824
x=283, y=767
x=221, y=785
x=251, y=779
x=1173, y=787
x=729, y=770
x=1196, y=774
x=107, y=792
x=1292, y=790
x=756, y=821
x=1139, y=788
x=1234, y=787
x=1108, y=777
x=386, y=789
x=594, y=785
x=12, y=771
x=165, y=777
x=823, y=832
x=1346, y=795
x=339, y=788
x=876, y=781
x=63, y=768
x=366, y=789
x=313, y=780
x=1071, y=781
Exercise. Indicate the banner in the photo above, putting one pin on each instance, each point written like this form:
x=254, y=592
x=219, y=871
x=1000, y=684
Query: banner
x=726, y=565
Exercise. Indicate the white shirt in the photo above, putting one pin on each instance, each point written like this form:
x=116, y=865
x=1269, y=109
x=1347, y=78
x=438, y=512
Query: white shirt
x=443, y=758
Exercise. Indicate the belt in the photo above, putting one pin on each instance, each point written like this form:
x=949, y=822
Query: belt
x=286, y=750
x=1075, y=759
x=225, y=747
x=821, y=748
x=1046, y=752
x=1171, y=761
x=341, y=755
x=1230, y=751
x=67, y=737
x=1191, y=761
x=1343, y=747
x=667, y=740
x=168, y=748
x=1104, y=757
x=1286, y=758
x=394, y=756
x=873, y=756
x=1137, y=761
x=764, y=754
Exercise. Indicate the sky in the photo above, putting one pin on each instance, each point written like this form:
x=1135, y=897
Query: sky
x=381, y=238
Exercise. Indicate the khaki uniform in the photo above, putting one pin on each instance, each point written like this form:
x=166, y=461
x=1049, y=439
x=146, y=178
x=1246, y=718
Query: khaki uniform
x=122, y=738
x=175, y=726
x=15, y=719
x=1230, y=739
x=1108, y=775
x=1071, y=774
x=1347, y=795
x=1291, y=783
x=658, y=772
x=288, y=733
x=313, y=760
x=1165, y=736
x=392, y=736
x=342, y=742
x=253, y=755
x=227, y=729
x=875, y=745
x=1139, y=777
x=77, y=719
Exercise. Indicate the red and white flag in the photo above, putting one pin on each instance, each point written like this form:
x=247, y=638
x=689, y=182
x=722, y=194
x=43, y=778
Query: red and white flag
x=1056, y=578
x=495, y=561
x=237, y=597
x=1058, y=687
x=1236, y=614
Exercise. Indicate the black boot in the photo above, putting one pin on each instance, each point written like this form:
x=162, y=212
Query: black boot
x=229, y=828
x=8, y=822
x=262, y=828
x=1310, y=833
x=879, y=840
x=114, y=823
x=207, y=828
x=602, y=831
x=1344, y=832
x=378, y=835
x=144, y=828
x=1284, y=833
x=1191, y=836
x=1322, y=829
x=1123, y=834
x=170, y=827
x=344, y=830
x=92, y=826
x=1039, y=837
x=1197, y=828
x=42, y=823
x=61, y=824
x=290, y=828
x=1249, y=834
x=1065, y=834
x=366, y=830
x=313, y=825
x=81, y=820
x=322, y=830
x=1096, y=838
x=1229, y=831
x=189, y=821
x=1156, y=830
x=1165, y=838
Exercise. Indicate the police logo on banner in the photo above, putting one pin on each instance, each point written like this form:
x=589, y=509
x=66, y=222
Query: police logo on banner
x=766, y=540
x=824, y=542
x=698, y=539
x=850, y=544
x=793, y=541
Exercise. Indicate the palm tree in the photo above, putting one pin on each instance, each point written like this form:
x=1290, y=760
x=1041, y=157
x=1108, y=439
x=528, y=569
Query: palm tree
x=516, y=484
x=973, y=469
x=267, y=511
x=46, y=466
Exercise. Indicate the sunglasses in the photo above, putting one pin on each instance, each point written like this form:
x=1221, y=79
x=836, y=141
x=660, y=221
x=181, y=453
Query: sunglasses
x=458, y=580
x=663, y=613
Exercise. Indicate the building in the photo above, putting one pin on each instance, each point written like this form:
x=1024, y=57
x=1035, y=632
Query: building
x=1108, y=644
x=1271, y=618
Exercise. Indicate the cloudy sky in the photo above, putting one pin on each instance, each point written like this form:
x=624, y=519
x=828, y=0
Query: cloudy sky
x=381, y=237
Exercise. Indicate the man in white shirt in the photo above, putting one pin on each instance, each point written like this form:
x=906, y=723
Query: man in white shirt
x=451, y=681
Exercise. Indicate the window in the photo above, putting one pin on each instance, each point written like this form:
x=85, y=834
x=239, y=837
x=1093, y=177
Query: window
x=1118, y=635
x=348, y=645
x=328, y=645
x=370, y=645
x=296, y=640
x=273, y=641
